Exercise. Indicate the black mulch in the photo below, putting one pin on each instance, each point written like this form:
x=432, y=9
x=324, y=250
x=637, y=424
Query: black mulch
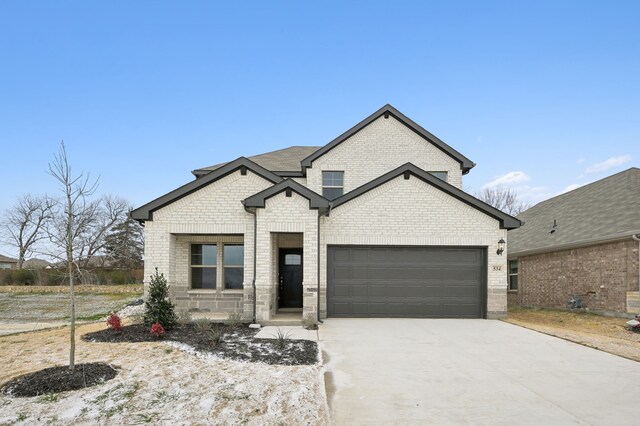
x=238, y=343
x=59, y=379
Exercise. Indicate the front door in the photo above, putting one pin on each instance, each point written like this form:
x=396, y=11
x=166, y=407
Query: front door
x=290, y=279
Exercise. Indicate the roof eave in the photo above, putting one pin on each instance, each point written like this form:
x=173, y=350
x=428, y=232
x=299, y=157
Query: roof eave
x=316, y=201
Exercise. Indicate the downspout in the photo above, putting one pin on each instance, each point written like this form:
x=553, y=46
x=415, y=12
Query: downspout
x=255, y=252
x=636, y=237
x=318, y=258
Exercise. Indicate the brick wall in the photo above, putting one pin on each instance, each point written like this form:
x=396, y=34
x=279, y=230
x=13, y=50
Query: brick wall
x=601, y=274
x=380, y=147
x=412, y=212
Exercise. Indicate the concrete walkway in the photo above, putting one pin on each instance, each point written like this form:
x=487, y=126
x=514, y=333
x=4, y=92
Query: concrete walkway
x=410, y=371
x=291, y=332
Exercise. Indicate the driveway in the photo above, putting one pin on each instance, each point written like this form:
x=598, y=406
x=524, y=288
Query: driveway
x=426, y=371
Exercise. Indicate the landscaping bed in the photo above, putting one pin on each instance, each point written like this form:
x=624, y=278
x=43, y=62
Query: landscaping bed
x=237, y=343
x=600, y=332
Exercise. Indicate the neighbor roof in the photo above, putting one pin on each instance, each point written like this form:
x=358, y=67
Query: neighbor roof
x=605, y=210
x=6, y=259
x=282, y=160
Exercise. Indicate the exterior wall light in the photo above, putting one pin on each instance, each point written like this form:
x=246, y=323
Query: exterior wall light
x=501, y=244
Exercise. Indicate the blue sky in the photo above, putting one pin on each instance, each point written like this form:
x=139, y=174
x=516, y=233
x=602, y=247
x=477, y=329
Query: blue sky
x=541, y=95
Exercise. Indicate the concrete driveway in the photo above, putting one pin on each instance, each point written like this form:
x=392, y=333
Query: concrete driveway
x=411, y=371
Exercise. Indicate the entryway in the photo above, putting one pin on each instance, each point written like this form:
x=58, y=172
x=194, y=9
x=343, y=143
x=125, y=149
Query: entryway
x=290, y=280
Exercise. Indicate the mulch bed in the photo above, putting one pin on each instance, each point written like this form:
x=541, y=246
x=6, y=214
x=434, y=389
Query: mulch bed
x=238, y=343
x=59, y=379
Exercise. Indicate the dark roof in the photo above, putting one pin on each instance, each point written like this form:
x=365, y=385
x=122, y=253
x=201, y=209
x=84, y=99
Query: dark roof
x=282, y=160
x=465, y=163
x=408, y=169
x=6, y=259
x=316, y=201
x=608, y=209
x=146, y=212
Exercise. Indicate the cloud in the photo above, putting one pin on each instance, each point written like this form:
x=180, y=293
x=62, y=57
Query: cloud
x=609, y=163
x=571, y=187
x=509, y=179
x=580, y=160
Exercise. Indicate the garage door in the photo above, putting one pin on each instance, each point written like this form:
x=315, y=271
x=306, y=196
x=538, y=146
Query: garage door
x=413, y=282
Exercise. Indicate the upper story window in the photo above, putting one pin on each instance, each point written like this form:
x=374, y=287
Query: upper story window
x=332, y=184
x=440, y=175
x=513, y=275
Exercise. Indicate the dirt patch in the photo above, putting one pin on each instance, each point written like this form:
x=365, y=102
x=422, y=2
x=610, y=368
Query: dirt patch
x=59, y=379
x=238, y=343
x=605, y=333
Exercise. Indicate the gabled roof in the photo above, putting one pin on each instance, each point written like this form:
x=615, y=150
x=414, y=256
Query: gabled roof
x=465, y=163
x=604, y=210
x=408, y=169
x=316, y=201
x=146, y=212
x=283, y=161
x=6, y=259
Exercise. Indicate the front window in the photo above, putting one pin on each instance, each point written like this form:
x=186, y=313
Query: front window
x=513, y=275
x=204, y=260
x=332, y=184
x=440, y=175
x=233, y=266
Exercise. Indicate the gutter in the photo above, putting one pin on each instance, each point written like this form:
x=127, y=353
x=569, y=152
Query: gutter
x=636, y=237
x=577, y=244
x=255, y=253
x=318, y=258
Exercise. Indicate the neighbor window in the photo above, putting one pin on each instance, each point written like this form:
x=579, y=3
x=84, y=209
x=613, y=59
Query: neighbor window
x=233, y=259
x=440, y=175
x=513, y=275
x=204, y=259
x=332, y=184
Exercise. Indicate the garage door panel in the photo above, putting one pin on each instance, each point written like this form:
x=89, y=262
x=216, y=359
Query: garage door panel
x=424, y=282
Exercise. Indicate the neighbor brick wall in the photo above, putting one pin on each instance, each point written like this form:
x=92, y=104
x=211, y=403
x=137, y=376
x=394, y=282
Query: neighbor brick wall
x=412, y=212
x=382, y=146
x=601, y=274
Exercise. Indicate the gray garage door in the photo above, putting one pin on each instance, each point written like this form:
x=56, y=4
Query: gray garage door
x=413, y=282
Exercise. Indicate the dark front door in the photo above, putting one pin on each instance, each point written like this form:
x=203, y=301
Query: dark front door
x=290, y=286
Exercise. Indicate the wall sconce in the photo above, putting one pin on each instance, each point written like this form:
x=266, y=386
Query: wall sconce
x=501, y=244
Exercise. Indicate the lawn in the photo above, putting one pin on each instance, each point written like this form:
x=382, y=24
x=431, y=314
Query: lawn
x=53, y=307
x=605, y=333
x=159, y=383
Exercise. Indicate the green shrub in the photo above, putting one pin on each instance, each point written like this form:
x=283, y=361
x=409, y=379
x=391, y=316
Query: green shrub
x=23, y=277
x=216, y=336
x=202, y=325
x=119, y=277
x=184, y=317
x=234, y=319
x=158, y=307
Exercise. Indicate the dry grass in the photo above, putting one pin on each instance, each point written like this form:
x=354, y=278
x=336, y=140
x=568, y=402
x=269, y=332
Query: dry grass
x=605, y=333
x=134, y=289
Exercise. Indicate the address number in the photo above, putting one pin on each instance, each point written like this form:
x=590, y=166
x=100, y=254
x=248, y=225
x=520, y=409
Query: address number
x=497, y=267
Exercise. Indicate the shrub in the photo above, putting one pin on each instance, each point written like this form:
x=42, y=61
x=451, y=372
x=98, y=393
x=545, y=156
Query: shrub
x=23, y=277
x=216, y=336
x=157, y=330
x=184, y=317
x=158, y=308
x=115, y=323
x=234, y=319
x=281, y=338
x=202, y=325
x=309, y=322
x=119, y=277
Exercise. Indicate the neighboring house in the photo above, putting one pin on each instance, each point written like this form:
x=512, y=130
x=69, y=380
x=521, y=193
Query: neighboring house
x=8, y=262
x=37, y=264
x=373, y=224
x=583, y=243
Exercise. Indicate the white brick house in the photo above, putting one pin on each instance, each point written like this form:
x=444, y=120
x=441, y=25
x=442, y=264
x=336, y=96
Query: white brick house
x=375, y=223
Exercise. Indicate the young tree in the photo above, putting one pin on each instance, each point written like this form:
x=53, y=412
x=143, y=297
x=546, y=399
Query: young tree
x=158, y=307
x=75, y=209
x=502, y=198
x=24, y=223
x=124, y=245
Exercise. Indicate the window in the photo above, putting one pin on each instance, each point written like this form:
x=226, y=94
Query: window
x=204, y=258
x=513, y=275
x=233, y=266
x=440, y=175
x=332, y=184
x=292, y=259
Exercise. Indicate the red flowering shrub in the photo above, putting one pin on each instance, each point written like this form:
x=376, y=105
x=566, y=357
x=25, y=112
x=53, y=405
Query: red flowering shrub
x=157, y=330
x=114, y=322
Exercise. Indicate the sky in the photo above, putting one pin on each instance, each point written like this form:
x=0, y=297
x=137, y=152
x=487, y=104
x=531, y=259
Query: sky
x=543, y=96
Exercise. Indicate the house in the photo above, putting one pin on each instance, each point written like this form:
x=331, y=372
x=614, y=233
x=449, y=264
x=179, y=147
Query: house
x=8, y=262
x=372, y=224
x=36, y=264
x=581, y=245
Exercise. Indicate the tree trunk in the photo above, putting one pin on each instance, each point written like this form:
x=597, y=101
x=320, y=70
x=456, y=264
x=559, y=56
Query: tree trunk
x=21, y=255
x=72, y=340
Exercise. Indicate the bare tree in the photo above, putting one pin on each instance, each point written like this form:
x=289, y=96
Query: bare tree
x=76, y=209
x=503, y=198
x=25, y=222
